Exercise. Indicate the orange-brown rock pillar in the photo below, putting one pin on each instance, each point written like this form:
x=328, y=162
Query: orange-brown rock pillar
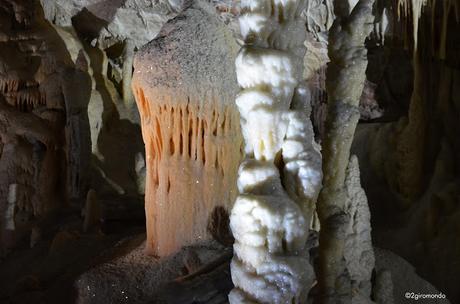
x=185, y=88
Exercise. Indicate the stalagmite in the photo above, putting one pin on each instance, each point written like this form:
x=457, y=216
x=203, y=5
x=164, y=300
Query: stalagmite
x=92, y=211
x=408, y=180
x=128, y=56
x=359, y=253
x=302, y=157
x=345, y=82
x=184, y=88
x=11, y=205
x=281, y=176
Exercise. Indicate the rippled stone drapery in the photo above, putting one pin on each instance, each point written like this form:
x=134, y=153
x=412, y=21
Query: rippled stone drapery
x=184, y=90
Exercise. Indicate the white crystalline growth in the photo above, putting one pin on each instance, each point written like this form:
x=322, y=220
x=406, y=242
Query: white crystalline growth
x=301, y=155
x=263, y=131
x=270, y=218
x=268, y=79
x=238, y=296
x=258, y=178
x=271, y=71
x=274, y=25
x=277, y=281
x=270, y=233
x=264, y=215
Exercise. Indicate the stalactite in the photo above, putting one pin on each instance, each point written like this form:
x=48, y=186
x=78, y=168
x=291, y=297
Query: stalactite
x=414, y=10
x=24, y=96
x=127, y=75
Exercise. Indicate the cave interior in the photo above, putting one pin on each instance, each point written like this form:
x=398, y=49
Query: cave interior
x=217, y=151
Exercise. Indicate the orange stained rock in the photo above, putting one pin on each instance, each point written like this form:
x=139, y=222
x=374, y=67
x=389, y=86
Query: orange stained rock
x=192, y=156
x=185, y=88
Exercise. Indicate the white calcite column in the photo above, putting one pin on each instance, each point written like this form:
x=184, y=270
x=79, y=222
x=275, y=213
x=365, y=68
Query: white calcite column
x=279, y=181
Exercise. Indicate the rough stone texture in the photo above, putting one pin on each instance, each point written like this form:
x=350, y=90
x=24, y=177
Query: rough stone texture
x=358, y=251
x=112, y=21
x=345, y=82
x=95, y=34
x=404, y=278
x=184, y=88
x=136, y=278
x=383, y=288
x=107, y=33
x=320, y=16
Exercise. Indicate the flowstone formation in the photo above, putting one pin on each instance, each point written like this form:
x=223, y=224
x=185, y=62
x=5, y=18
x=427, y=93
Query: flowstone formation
x=280, y=179
x=185, y=89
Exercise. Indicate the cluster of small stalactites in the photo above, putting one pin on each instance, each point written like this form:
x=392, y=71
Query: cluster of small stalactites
x=193, y=149
x=414, y=9
x=25, y=96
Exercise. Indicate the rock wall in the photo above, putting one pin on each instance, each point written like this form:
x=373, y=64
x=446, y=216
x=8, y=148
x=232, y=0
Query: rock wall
x=44, y=129
x=107, y=34
x=67, y=108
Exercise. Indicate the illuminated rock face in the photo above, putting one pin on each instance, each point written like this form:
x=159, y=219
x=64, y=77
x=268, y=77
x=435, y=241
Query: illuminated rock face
x=184, y=88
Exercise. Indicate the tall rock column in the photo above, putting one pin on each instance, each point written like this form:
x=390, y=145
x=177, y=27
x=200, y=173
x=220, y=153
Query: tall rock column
x=280, y=179
x=345, y=83
x=184, y=87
